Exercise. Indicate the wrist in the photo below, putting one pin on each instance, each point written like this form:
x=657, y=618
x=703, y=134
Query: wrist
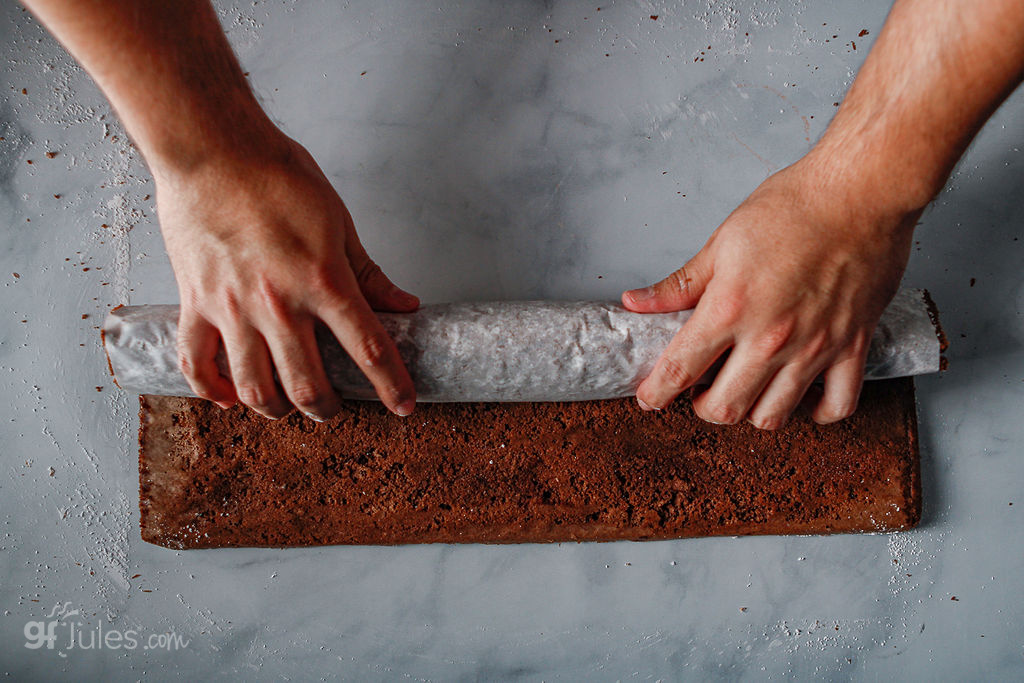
x=880, y=162
x=238, y=134
x=872, y=180
x=845, y=204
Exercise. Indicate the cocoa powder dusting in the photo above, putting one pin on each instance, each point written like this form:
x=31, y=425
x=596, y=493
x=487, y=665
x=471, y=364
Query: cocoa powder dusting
x=519, y=472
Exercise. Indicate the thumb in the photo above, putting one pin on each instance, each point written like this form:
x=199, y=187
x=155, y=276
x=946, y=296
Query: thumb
x=678, y=292
x=381, y=293
x=378, y=290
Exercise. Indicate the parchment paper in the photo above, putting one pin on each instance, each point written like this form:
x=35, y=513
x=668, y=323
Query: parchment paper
x=504, y=351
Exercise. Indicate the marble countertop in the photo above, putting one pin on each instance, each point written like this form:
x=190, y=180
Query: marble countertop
x=499, y=151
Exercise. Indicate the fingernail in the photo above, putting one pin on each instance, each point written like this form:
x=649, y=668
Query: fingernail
x=313, y=417
x=641, y=294
x=405, y=408
x=645, y=406
x=224, y=405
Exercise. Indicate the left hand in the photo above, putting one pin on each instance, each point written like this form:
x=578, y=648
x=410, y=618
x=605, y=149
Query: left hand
x=792, y=285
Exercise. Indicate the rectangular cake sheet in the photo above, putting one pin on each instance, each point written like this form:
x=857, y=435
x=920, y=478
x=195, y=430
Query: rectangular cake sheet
x=519, y=472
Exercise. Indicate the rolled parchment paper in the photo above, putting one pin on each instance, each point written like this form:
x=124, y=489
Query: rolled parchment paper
x=504, y=351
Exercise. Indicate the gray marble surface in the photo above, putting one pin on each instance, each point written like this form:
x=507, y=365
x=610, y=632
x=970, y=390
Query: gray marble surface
x=499, y=151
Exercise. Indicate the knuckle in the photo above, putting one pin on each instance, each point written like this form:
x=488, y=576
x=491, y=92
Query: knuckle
x=680, y=280
x=273, y=300
x=323, y=280
x=368, y=272
x=727, y=310
x=775, y=338
x=187, y=366
x=254, y=395
x=819, y=343
x=333, y=297
x=373, y=349
x=306, y=393
x=390, y=394
x=859, y=343
x=675, y=374
x=198, y=377
x=232, y=305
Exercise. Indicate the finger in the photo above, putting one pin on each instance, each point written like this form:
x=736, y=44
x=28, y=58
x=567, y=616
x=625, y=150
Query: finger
x=843, y=382
x=691, y=352
x=378, y=290
x=782, y=395
x=737, y=385
x=300, y=369
x=252, y=372
x=381, y=293
x=362, y=336
x=198, y=342
x=680, y=291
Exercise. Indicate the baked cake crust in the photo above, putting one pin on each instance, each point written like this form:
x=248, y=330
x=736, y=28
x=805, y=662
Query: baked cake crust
x=519, y=472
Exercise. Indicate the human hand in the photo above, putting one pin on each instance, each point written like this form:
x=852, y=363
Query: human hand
x=792, y=285
x=263, y=248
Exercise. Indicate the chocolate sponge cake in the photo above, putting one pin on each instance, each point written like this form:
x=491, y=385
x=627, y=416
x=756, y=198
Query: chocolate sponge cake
x=519, y=472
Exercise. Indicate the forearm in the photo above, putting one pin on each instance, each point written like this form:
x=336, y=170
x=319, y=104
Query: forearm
x=169, y=71
x=936, y=73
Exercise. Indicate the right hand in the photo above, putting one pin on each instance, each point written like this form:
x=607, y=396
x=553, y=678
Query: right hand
x=263, y=248
x=792, y=286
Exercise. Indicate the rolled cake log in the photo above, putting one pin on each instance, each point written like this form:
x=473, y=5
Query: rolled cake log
x=532, y=351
